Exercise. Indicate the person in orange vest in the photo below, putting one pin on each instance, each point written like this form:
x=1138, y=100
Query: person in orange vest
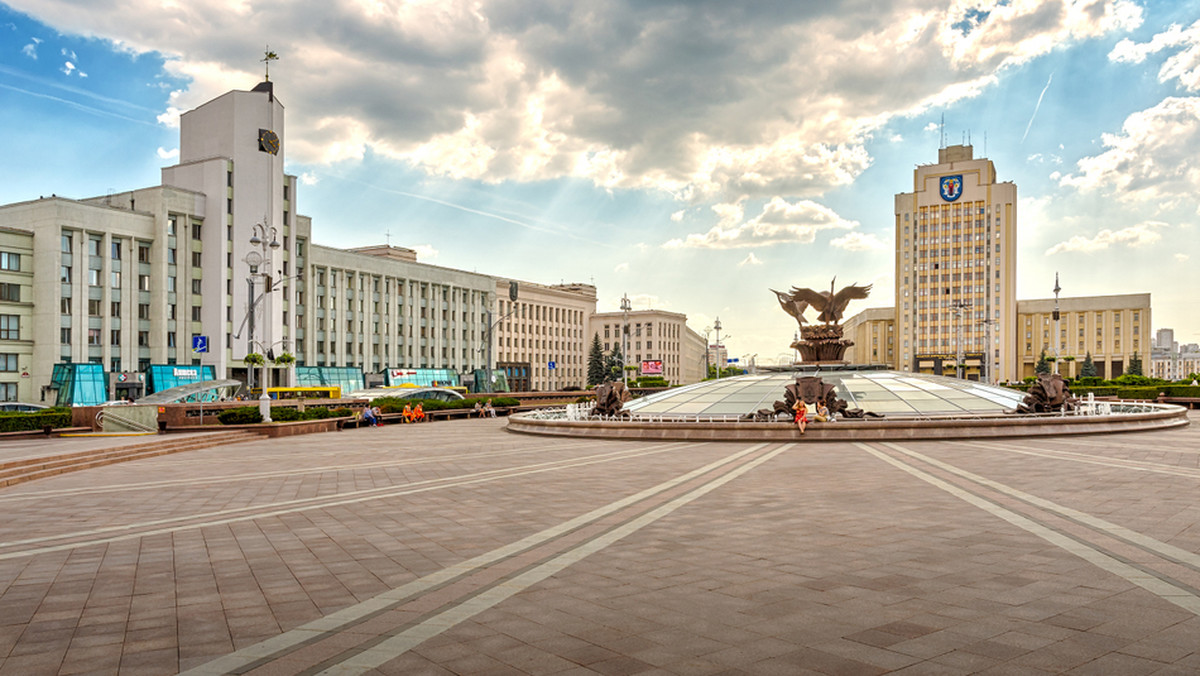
x=419, y=413
x=408, y=413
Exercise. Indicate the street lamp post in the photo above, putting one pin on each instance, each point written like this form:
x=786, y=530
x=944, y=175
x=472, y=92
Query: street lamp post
x=717, y=328
x=707, y=346
x=626, y=306
x=1057, y=288
x=259, y=236
x=959, y=306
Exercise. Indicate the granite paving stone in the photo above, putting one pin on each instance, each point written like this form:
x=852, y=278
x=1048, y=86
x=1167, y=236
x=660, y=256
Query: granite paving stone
x=810, y=558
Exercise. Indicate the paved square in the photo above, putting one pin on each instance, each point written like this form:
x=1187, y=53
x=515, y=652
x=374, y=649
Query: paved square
x=459, y=548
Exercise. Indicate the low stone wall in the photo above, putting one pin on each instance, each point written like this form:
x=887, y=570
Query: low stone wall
x=895, y=429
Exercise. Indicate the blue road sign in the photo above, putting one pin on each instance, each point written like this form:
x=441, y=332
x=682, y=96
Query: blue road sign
x=551, y=365
x=199, y=344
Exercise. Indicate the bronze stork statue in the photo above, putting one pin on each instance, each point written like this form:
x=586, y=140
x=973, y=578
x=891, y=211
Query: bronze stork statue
x=831, y=304
x=821, y=343
x=793, y=307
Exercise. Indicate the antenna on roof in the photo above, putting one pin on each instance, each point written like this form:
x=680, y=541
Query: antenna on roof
x=388, y=236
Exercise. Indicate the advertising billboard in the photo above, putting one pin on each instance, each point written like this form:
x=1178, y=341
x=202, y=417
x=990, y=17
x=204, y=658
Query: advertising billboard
x=652, y=367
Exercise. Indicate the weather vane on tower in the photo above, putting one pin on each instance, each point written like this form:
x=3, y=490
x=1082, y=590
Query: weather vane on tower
x=267, y=59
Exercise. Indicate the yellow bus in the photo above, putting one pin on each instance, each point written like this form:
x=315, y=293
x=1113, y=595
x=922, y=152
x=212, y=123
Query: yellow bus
x=314, y=392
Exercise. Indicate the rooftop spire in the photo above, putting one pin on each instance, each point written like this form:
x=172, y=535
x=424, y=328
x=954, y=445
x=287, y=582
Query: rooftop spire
x=268, y=57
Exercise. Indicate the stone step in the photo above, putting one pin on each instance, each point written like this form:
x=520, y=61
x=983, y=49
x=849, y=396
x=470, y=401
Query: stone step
x=20, y=471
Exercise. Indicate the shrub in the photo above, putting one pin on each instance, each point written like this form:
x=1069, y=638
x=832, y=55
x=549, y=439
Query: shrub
x=1138, y=392
x=1135, y=380
x=53, y=418
x=242, y=415
x=1182, y=390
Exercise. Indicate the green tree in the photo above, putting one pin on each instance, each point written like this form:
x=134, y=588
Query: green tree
x=612, y=370
x=1042, y=367
x=1088, y=370
x=595, y=363
x=1135, y=365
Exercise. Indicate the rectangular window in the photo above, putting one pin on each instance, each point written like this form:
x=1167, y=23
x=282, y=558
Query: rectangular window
x=143, y=339
x=170, y=285
x=8, y=362
x=196, y=230
x=143, y=253
x=143, y=311
x=171, y=256
x=115, y=308
x=8, y=391
x=196, y=259
x=196, y=287
x=10, y=327
x=66, y=244
x=10, y=261
x=93, y=336
x=114, y=337
x=171, y=311
x=93, y=246
x=171, y=222
x=93, y=277
x=196, y=314
x=64, y=336
x=64, y=274
x=10, y=292
x=116, y=250
x=64, y=305
x=116, y=280
x=170, y=340
x=94, y=307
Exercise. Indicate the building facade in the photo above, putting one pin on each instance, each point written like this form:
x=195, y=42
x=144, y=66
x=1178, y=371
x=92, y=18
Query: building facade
x=649, y=336
x=873, y=333
x=956, y=266
x=541, y=338
x=1109, y=328
x=216, y=262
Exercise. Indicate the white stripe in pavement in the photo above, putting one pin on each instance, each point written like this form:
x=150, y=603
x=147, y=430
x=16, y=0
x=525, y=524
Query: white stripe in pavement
x=1165, y=590
x=397, y=645
x=360, y=611
x=1072, y=456
x=1121, y=532
x=300, y=471
x=188, y=522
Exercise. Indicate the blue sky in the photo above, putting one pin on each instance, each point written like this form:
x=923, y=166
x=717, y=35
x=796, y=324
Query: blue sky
x=690, y=154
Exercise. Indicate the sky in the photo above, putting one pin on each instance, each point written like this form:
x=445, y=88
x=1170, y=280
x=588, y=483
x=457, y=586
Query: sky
x=691, y=154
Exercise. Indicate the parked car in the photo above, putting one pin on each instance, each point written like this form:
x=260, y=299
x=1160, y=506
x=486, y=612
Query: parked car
x=19, y=407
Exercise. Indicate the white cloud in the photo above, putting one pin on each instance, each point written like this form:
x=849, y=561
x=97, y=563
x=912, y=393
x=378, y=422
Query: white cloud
x=647, y=301
x=70, y=54
x=1133, y=236
x=780, y=222
x=1184, y=65
x=30, y=49
x=621, y=267
x=723, y=104
x=678, y=216
x=67, y=67
x=1154, y=158
x=857, y=241
x=164, y=154
x=425, y=251
x=1181, y=257
x=750, y=259
x=309, y=178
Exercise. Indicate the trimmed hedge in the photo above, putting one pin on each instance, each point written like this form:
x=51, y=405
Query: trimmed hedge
x=249, y=415
x=396, y=405
x=16, y=421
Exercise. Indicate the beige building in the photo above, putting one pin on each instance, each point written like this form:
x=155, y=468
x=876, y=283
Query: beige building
x=873, y=334
x=653, y=335
x=956, y=265
x=546, y=325
x=377, y=307
x=1110, y=328
x=692, y=360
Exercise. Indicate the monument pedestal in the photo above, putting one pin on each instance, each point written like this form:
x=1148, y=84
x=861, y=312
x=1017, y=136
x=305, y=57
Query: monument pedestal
x=822, y=343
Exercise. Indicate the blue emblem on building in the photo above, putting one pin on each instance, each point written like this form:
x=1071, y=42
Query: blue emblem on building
x=951, y=187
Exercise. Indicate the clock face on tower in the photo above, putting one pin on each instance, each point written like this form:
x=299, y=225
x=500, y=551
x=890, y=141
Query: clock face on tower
x=268, y=141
